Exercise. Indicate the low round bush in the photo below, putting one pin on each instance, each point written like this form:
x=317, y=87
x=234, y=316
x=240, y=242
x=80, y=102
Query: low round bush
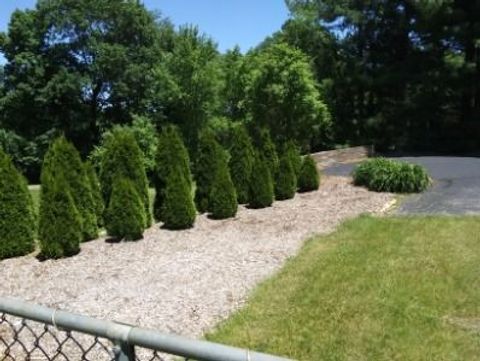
x=125, y=215
x=261, y=184
x=17, y=218
x=223, y=198
x=386, y=175
x=308, y=179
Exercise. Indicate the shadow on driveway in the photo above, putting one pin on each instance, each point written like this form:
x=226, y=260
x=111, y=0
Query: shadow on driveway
x=455, y=189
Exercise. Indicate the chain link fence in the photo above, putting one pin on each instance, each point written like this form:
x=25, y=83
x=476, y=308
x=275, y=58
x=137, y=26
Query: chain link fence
x=31, y=332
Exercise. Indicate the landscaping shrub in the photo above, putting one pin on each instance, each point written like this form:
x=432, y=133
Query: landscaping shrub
x=268, y=151
x=62, y=159
x=293, y=152
x=122, y=158
x=261, y=184
x=286, y=180
x=17, y=217
x=385, y=175
x=309, y=179
x=125, y=215
x=178, y=208
x=209, y=156
x=60, y=224
x=223, y=198
x=171, y=153
x=241, y=162
x=96, y=192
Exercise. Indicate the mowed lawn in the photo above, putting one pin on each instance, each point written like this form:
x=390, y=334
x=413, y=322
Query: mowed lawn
x=377, y=289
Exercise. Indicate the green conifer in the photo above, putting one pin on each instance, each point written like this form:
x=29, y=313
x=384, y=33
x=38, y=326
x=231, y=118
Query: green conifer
x=122, y=158
x=261, y=185
x=286, y=181
x=295, y=158
x=309, y=178
x=17, y=217
x=96, y=192
x=125, y=215
x=60, y=225
x=178, y=208
x=223, y=197
x=241, y=162
x=171, y=152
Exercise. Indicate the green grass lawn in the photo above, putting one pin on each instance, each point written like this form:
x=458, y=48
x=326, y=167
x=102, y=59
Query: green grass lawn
x=377, y=289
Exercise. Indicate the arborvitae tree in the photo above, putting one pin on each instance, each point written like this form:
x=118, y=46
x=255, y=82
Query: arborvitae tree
x=209, y=154
x=261, y=184
x=125, y=215
x=286, y=181
x=17, y=217
x=122, y=158
x=178, y=208
x=222, y=202
x=309, y=179
x=241, y=162
x=62, y=159
x=293, y=152
x=268, y=150
x=171, y=152
x=96, y=192
x=60, y=225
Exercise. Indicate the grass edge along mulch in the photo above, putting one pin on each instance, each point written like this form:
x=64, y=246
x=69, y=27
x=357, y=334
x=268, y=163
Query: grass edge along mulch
x=393, y=288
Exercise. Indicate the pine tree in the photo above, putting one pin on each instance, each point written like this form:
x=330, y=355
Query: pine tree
x=295, y=158
x=309, y=179
x=171, y=152
x=261, y=185
x=209, y=154
x=96, y=192
x=62, y=159
x=17, y=217
x=223, y=198
x=178, y=208
x=122, y=158
x=286, y=181
x=241, y=162
x=60, y=226
x=125, y=215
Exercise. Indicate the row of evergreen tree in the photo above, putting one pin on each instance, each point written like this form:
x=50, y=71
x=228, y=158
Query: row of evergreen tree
x=75, y=203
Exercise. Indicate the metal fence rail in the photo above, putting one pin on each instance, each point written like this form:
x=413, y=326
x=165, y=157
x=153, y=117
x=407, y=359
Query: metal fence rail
x=33, y=332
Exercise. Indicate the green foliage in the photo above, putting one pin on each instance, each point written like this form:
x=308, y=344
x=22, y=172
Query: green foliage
x=17, y=217
x=125, y=215
x=223, y=198
x=309, y=178
x=267, y=149
x=209, y=156
x=123, y=158
x=63, y=160
x=261, y=184
x=286, y=180
x=145, y=134
x=385, y=175
x=241, y=162
x=60, y=224
x=293, y=153
x=96, y=192
x=178, y=209
x=171, y=153
x=284, y=97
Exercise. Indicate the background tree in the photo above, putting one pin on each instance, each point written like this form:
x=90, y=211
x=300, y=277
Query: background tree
x=241, y=162
x=171, y=153
x=123, y=158
x=17, y=217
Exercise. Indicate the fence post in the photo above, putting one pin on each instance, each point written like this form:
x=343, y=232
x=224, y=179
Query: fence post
x=124, y=351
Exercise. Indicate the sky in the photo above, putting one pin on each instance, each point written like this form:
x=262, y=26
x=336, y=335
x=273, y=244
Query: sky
x=229, y=22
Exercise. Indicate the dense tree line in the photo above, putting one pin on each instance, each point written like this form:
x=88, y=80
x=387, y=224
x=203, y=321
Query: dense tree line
x=400, y=74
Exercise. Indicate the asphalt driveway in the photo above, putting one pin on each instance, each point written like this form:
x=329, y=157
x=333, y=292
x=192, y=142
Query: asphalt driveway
x=455, y=189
